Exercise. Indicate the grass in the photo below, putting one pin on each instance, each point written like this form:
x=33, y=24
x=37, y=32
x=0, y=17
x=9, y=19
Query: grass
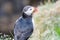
x=5, y=37
x=47, y=24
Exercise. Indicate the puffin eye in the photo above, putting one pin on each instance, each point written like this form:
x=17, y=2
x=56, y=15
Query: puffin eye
x=30, y=9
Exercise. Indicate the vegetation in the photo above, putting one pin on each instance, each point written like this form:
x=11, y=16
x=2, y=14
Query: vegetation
x=47, y=23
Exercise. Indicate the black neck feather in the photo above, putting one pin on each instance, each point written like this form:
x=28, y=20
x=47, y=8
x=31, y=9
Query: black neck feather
x=26, y=16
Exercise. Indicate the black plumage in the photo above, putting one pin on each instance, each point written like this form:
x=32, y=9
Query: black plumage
x=23, y=27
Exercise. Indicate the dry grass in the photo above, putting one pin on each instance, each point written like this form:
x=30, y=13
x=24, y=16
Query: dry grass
x=47, y=22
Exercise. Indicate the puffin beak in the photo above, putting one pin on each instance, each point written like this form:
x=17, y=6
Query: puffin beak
x=35, y=10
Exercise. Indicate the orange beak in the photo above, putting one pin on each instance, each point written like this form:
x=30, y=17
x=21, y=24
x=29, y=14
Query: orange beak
x=35, y=10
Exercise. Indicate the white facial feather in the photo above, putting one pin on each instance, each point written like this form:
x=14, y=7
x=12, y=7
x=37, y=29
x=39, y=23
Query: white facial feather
x=28, y=10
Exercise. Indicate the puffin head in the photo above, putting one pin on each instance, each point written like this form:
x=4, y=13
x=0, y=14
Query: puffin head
x=28, y=10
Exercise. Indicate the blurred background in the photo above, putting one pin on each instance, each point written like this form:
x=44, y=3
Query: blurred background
x=10, y=10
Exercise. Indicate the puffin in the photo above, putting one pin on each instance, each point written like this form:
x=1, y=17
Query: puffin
x=24, y=27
